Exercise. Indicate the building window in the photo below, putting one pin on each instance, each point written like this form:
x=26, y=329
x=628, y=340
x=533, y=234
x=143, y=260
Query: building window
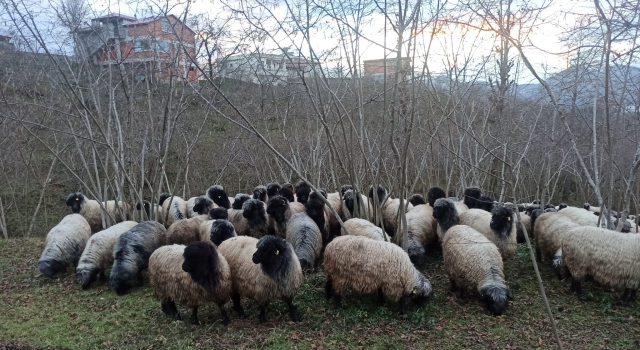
x=161, y=46
x=166, y=26
x=143, y=45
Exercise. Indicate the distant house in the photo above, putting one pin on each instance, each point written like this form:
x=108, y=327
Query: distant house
x=153, y=47
x=255, y=67
x=5, y=38
x=375, y=68
x=297, y=65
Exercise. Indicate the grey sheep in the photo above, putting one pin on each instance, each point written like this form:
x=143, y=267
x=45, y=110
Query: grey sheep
x=305, y=237
x=98, y=253
x=131, y=254
x=64, y=245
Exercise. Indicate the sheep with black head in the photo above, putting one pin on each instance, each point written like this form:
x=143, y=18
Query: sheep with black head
x=131, y=254
x=192, y=275
x=302, y=191
x=345, y=188
x=98, y=253
x=176, y=207
x=473, y=264
x=562, y=206
x=272, y=189
x=220, y=231
x=262, y=270
x=219, y=214
x=434, y=194
x=485, y=203
x=347, y=211
x=365, y=266
x=389, y=209
x=417, y=199
x=91, y=211
x=64, y=245
x=471, y=195
x=260, y=193
x=315, y=209
x=286, y=193
x=219, y=196
x=251, y=220
x=280, y=210
x=199, y=206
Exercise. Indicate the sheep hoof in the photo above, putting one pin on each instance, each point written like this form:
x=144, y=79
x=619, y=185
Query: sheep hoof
x=295, y=317
x=226, y=321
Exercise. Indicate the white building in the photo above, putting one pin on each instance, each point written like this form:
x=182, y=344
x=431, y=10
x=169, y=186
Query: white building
x=254, y=67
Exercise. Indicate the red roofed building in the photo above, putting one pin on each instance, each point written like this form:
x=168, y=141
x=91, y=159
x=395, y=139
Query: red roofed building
x=154, y=47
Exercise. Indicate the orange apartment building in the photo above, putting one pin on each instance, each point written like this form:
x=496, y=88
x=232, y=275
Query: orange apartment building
x=153, y=47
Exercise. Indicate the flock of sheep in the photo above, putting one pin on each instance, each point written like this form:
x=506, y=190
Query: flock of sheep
x=214, y=248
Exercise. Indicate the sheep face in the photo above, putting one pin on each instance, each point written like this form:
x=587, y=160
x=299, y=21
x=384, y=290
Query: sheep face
x=277, y=208
x=260, y=193
x=421, y=293
x=345, y=188
x=550, y=210
x=218, y=214
x=315, y=201
x=221, y=230
x=501, y=221
x=520, y=208
x=253, y=211
x=495, y=298
x=485, y=203
x=86, y=277
x=445, y=213
x=51, y=268
x=417, y=199
x=274, y=257
x=434, y=194
x=286, y=193
x=147, y=208
x=219, y=196
x=586, y=206
x=549, y=206
x=123, y=280
x=272, y=189
x=381, y=193
x=239, y=200
x=75, y=201
x=562, y=206
x=349, y=200
x=201, y=263
x=470, y=196
x=163, y=197
x=288, y=185
x=302, y=192
x=202, y=205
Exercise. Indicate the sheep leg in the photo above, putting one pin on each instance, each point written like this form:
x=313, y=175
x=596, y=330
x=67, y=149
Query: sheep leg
x=380, y=297
x=237, y=306
x=263, y=313
x=292, y=311
x=538, y=253
x=328, y=289
x=103, y=277
x=457, y=291
x=337, y=300
x=402, y=304
x=170, y=309
x=194, y=316
x=225, y=317
x=576, y=287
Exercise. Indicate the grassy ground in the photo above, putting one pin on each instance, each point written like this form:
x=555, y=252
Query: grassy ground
x=40, y=312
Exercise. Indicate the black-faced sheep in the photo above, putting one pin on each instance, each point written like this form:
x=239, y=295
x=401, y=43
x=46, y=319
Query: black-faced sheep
x=98, y=253
x=251, y=220
x=175, y=206
x=314, y=207
x=199, y=206
x=422, y=231
x=562, y=206
x=260, y=193
x=485, y=203
x=364, y=266
x=609, y=257
x=262, y=270
x=191, y=275
x=471, y=195
x=239, y=200
x=434, y=194
x=347, y=211
x=364, y=228
x=473, y=263
x=591, y=208
x=131, y=254
x=220, y=231
x=64, y=245
x=156, y=215
x=90, y=210
x=272, y=189
x=286, y=193
x=280, y=210
x=498, y=226
x=219, y=196
x=302, y=191
x=305, y=237
x=417, y=199
x=219, y=214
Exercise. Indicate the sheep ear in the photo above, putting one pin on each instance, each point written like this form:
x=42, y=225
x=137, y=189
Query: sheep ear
x=277, y=252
